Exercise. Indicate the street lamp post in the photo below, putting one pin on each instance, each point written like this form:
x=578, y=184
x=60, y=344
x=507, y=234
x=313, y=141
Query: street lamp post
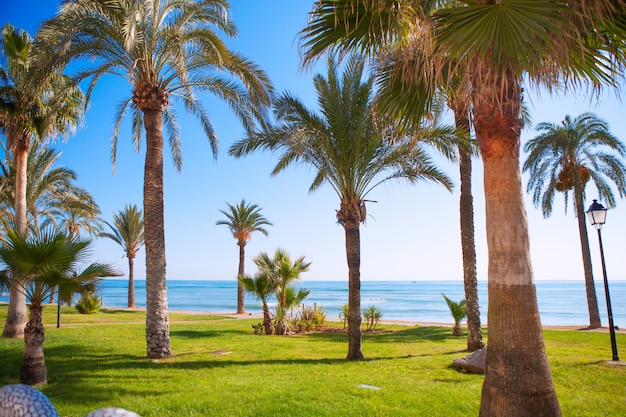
x=597, y=216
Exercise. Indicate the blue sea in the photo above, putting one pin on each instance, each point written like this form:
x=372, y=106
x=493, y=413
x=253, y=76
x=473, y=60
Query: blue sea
x=560, y=302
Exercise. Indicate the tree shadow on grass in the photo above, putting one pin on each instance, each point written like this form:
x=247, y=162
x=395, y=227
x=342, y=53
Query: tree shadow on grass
x=203, y=334
x=383, y=335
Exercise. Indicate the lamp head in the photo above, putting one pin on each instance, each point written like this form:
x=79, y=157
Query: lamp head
x=596, y=214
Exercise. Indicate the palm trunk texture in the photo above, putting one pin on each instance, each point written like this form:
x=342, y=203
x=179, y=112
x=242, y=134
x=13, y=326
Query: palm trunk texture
x=267, y=320
x=16, y=313
x=468, y=246
x=131, y=281
x=518, y=381
x=353, y=254
x=33, y=370
x=592, y=299
x=157, y=318
x=241, y=308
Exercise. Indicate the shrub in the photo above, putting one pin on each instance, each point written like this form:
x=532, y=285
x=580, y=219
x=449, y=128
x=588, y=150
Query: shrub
x=308, y=318
x=88, y=304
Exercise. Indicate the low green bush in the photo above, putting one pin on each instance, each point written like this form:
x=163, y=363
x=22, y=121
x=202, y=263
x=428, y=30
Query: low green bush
x=88, y=304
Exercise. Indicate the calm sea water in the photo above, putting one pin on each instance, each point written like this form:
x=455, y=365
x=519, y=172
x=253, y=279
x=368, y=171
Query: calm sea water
x=560, y=302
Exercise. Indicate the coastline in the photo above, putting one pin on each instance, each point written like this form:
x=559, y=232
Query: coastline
x=603, y=329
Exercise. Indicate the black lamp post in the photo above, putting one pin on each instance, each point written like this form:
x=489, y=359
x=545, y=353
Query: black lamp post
x=597, y=217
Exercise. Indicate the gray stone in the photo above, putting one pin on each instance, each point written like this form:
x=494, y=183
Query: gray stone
x=473, y=363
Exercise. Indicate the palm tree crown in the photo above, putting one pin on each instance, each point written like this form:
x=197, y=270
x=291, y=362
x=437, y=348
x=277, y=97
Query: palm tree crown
x=565, y=157
x=243, y=219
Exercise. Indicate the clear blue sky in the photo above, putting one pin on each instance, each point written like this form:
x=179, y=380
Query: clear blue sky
x=412, y=232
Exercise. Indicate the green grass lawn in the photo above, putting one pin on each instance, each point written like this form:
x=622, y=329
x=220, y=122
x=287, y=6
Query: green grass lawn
x=102, y=362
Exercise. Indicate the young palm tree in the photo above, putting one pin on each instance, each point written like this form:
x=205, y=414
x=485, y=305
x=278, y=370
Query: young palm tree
x=242, y=220
x=127, y=231
x=286, y=272
x=38, y=102
x=458, y=311
x=166, y=50
x=37, y=265
x=550, y=43
x=350, y=150
x=262, y=286
x=281, y=272
x=563, y=158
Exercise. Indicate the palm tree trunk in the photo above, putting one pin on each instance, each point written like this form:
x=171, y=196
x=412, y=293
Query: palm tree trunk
x=33, y=370
x=518, y=381
x=16, y=313
x=241, y=309
x=353, y=254
x=131, y=281
x=267, y=320
x=592, y=299
x=468, y=246
x=157, y=318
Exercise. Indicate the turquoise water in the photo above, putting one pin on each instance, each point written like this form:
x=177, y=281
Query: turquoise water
x=560, y=302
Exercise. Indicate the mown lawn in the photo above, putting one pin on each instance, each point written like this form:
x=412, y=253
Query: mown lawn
x=99, y=360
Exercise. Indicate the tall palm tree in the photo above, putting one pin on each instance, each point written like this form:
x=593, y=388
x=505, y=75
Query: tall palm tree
x=37, y=265
x=167, y=50
x=243, y=219
x=127, y=231
x=550, y=43
x=563, y=158
x=37, y=103
x=351, y=151
x=52, y=198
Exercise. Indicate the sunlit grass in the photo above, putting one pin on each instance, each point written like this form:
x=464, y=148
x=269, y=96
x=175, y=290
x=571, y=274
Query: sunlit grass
x=102, y=363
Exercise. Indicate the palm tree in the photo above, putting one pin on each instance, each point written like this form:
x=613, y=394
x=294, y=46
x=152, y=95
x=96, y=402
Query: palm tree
x=458, y=311
x=167, y=50
x=36, y=265
x=281, y=272
x=262, y=286
x=242, y=220
x=127, y=231
x=37, y=102
x=286, y=272
x=52, y=198
x=349, y=148
x=550, y=43
x=563, y=158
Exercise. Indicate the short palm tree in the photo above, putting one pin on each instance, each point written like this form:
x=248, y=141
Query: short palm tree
x=550, y=43
x=281, y=272
x=261, y=286
x=127, y=231
x=243, y=219
x=286, y=272
x=349, y=148
x=168, y=51
x=564, y=158
x=458, y=311
x=38, y=103
x=37, y=265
